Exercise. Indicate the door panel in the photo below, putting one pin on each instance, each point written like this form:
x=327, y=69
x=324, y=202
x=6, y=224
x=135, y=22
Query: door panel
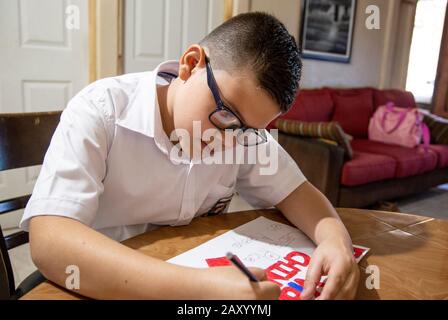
x=160, y=30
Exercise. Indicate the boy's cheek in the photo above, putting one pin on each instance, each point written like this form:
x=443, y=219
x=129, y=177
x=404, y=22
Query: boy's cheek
x=190, y=108
x=195, y=115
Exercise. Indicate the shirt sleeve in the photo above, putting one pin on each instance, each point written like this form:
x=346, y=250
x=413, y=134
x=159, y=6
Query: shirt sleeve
x=70, y=180
x=266, y=183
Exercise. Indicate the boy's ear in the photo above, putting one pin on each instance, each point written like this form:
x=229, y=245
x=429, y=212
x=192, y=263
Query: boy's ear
x=192, y=60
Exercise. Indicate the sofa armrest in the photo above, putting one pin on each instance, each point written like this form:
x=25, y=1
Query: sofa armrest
x=438, y=127
x=320, y=162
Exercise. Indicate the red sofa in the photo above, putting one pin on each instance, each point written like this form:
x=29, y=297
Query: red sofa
x=377, y=171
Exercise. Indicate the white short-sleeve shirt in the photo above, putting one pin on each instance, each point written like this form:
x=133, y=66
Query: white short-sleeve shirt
x=108, y=165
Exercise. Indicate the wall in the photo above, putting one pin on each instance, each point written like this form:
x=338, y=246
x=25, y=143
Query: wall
x=377, y=58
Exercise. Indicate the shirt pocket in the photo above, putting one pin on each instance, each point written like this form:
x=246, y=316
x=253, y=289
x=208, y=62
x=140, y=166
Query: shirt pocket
x=218, y=198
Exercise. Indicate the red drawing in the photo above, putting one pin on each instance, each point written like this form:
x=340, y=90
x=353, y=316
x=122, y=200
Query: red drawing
x=358, y=252
x=285, y=271
x=218, y=262
x=293, y=289
x=288, y=267
x=288, y=272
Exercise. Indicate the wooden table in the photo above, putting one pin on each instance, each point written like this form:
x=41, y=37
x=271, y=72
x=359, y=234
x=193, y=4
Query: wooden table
x=411, y=251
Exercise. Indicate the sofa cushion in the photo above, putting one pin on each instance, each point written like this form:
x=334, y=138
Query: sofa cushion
x=322, y=130
x=442, y=154
x=367, y=167
x=311, y=106
x=410, y=161
x=400, y=98
x=353, y=112
x=349, y=91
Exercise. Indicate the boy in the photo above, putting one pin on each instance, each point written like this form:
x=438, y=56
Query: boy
x=110, y=173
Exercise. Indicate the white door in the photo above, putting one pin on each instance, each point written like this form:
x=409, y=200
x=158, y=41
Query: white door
x=43, y=63
x=159, y=30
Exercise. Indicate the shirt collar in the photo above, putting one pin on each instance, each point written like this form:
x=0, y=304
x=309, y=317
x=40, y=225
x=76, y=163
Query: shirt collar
x=142, y=114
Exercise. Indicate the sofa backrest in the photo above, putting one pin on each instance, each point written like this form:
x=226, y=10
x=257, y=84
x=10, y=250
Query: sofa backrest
x=311, y=105
x=400, y=98
x=351, y=107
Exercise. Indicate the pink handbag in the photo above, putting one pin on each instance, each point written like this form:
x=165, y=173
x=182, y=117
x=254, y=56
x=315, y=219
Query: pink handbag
x=401, y=126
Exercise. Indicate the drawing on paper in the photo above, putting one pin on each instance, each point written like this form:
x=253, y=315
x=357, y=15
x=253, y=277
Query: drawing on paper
x=283, y=251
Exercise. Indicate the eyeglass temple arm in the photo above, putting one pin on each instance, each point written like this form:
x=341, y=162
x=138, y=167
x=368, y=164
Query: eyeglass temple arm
x=212, y=83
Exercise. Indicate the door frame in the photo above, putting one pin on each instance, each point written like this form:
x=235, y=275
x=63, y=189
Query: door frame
x=440, y=97
x=105, y=38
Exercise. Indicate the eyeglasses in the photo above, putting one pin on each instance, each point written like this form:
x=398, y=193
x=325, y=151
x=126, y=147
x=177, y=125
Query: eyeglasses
x=224, y=118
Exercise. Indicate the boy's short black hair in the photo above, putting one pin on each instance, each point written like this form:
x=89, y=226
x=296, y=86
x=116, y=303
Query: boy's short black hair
x=259, y=42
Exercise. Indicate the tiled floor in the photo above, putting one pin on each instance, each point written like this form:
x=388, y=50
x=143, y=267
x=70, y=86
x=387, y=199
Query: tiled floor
x=433, y=203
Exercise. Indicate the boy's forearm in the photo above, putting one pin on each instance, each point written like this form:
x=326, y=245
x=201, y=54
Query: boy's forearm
x=107, y=269
x=309, y=210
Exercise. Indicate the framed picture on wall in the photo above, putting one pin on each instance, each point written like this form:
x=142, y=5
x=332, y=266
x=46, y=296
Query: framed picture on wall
x=327, y=29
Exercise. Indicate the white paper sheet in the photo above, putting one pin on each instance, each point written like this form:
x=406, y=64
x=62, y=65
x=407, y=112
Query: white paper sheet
x=281, y=249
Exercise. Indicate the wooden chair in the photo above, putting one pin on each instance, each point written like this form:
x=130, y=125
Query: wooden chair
x=24, y=140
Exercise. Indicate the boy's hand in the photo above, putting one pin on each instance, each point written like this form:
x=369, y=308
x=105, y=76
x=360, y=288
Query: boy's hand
x=230, y=283
x=310, y=211
x=333, y=257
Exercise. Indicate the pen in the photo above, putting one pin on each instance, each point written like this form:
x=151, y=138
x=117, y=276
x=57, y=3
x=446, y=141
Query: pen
x=237, y=263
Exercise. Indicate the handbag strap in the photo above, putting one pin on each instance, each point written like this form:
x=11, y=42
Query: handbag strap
x=426, y=135
x=390, y=109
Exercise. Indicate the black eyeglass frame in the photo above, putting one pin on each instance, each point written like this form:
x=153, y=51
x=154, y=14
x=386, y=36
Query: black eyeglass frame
x=220, y=106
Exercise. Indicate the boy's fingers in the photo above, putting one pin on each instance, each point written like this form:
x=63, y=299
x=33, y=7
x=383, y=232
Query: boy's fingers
x=312, y=278
x=351, y=286
x=335, y=281
x=269, y=290
x=259, y=273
